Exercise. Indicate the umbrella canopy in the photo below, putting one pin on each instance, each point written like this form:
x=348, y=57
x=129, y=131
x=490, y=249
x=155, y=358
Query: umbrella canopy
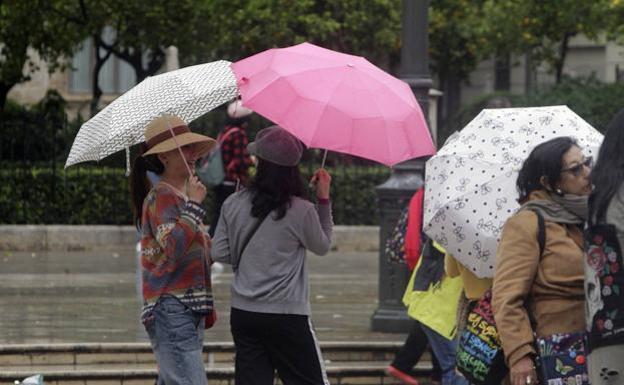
x=470, y=185
x=334, y=101
x=188, y=93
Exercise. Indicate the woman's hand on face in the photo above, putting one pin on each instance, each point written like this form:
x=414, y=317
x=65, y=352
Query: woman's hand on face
x=523, y=372
x=196, y=190
x=322, y=180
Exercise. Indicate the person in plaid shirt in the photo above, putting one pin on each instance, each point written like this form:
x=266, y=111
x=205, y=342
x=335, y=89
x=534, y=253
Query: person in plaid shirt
x=236, y=160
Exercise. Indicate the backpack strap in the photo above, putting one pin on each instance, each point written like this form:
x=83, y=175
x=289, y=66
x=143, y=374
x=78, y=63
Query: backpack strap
x=248, y=237
x=541, y=232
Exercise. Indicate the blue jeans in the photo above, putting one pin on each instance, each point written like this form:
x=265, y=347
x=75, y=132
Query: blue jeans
x=444, y=351
x=177, y=336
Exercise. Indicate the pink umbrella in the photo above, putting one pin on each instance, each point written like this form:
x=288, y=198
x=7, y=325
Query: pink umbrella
x=335, y=101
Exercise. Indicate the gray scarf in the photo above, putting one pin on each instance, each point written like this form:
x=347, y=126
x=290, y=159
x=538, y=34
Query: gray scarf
x=569, y=209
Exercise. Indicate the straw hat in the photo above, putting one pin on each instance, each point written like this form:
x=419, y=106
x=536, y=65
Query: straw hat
x=159, y=139
x=276, y=145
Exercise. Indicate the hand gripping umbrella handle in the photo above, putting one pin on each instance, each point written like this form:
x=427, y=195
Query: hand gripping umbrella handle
x=312, y=183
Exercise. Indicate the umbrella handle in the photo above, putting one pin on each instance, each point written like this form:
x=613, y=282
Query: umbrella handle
x=324, y=159
x=179, y=149
x=312, y=184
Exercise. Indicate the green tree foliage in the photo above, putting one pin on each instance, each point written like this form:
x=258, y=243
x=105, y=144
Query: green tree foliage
x=455, y=46
x=464, y=32
x=233, y=29
x=145, y=28
x=91, y=19
x=592, y=100
x=614, y=19
x=456, y=37
x=369, y=28
x=31, y=24
x=135, y=31
x=543, y=28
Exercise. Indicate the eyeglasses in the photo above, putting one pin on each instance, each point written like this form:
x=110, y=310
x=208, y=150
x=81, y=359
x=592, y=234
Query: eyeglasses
x=578, y=169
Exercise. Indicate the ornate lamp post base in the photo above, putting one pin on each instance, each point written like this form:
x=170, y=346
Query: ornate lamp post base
x=394, y=195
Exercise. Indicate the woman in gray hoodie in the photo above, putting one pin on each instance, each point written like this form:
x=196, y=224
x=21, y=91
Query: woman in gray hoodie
x=263, y=232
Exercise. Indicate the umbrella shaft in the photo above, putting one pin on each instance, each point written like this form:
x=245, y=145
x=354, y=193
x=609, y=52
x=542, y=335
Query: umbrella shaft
x=180, y=150
x=324, y=159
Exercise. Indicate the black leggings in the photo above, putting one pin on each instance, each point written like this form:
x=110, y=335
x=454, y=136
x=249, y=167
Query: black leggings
x=411, y=351
x=268, y=342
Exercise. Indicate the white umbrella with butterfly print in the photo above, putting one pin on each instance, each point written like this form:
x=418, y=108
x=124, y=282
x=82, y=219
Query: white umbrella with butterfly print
x=470, y=184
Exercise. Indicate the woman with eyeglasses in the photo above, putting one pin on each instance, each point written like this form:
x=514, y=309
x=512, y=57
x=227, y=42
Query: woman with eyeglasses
x=538, y=283
x=604, y=270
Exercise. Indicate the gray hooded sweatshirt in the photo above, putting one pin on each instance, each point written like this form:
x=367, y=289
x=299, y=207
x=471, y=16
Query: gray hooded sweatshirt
x=271, y=275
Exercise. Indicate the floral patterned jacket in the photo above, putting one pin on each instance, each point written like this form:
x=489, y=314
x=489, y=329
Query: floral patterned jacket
x=604, y=276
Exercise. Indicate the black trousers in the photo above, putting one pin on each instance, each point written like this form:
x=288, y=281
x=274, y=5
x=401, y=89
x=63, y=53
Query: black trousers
x=268, y=342
x=411, y=351
x=221, y=192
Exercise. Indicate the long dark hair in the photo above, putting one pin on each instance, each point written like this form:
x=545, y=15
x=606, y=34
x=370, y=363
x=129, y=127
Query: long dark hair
x=236, y=122
x=546, y=159
x=272, y=188
x=139, y=183
x=608, y=173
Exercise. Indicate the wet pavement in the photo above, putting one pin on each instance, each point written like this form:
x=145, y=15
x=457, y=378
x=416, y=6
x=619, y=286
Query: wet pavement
x=91, y=297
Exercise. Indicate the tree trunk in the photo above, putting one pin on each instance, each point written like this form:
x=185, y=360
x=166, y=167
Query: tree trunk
x=451, y=87
x=96, y=90
x=137, y=64
x=502, y=72
x=529, y=73
x=12, y=70
x=4, y=90
x=99, y=63
x=563, y=52
x=452, y=91
x=134, y=57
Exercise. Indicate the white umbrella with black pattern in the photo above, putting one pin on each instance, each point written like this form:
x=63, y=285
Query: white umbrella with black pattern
x=187, y=92
x=470, y=184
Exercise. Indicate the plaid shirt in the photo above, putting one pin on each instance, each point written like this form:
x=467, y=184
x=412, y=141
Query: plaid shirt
x=236, y=159
x=175, y=252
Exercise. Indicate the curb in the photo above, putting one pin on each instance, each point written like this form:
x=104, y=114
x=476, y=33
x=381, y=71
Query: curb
x=145, y=347
x=106, y=237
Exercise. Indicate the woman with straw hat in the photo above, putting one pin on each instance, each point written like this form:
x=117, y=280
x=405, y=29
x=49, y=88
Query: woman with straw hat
x=175, y=252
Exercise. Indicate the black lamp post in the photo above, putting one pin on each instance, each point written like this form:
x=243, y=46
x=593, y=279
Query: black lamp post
x=407, y=177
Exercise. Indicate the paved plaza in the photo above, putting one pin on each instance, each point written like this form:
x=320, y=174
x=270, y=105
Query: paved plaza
x=90, y=296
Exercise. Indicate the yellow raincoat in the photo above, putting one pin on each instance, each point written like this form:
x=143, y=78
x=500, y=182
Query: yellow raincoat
x=436, y=307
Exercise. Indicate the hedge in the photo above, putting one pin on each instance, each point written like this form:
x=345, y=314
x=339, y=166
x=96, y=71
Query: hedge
x=34, y=189
x=99, y=195
x=592, y=100
x=41, y=133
